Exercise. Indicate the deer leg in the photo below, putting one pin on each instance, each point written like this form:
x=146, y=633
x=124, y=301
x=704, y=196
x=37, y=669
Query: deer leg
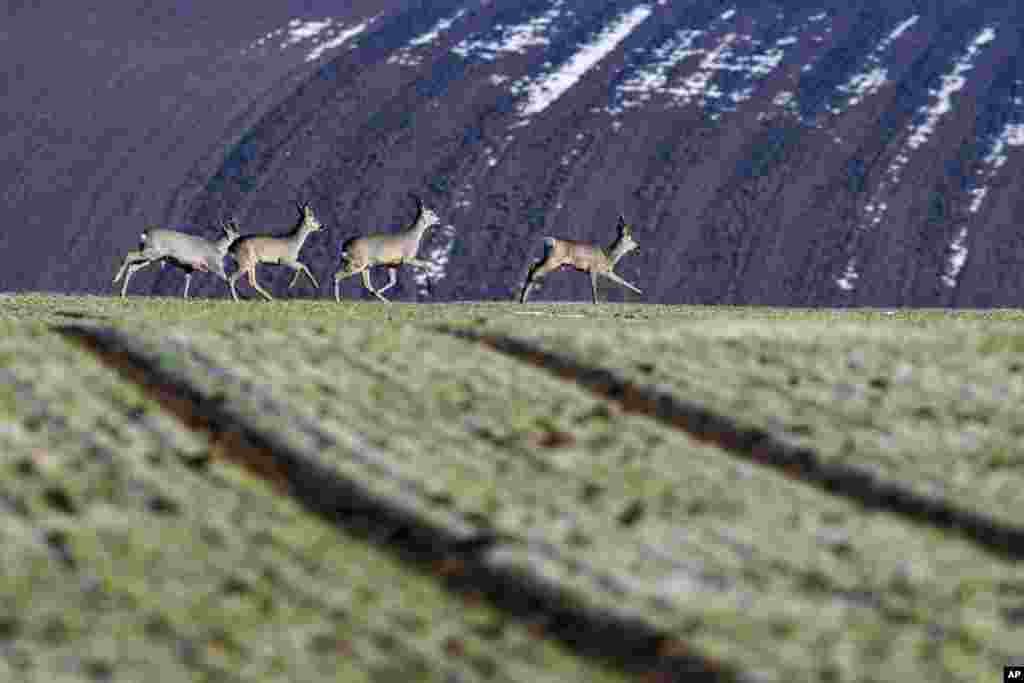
x=256, y=285
x=312, y=279
x=528, y=285
x=525, y=293
x=537, y=273
x=593, y=284
x=301, y=269
x=392, y=279
x=612, y=276
x=343, y=272
x=369, y=286
x=231, y=282
x=130, y=258
x=132, y=255
x=131, y=271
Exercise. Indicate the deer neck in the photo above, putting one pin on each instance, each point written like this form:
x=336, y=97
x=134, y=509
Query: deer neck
x=300, y=234
x=617, y=250
x=419, y=227
x=223, y=244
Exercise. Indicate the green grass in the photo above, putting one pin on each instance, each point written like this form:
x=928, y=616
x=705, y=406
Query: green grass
x=761, y=572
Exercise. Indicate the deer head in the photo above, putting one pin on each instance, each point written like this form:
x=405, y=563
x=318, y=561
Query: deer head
x=626, y=241
x=423, y=214
x=308, y=219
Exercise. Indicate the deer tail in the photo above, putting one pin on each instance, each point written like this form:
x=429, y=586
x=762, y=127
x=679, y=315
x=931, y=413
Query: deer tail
x=549, y=245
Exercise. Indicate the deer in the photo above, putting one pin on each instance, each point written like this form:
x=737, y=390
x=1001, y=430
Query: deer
x=584, y=257
x=360, y=254
x=189, y=252
x=251, y=250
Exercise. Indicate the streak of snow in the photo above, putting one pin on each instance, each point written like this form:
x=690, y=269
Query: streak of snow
x=301, y=30
x=338, y=40
x=957, y=258
x=406, y=55
x=515, y=38
x=437, y=259
x=263, y=39
x=952, y=82
x=1012, y=135
x=785, y=100
x=543, y=92
x=850, y=275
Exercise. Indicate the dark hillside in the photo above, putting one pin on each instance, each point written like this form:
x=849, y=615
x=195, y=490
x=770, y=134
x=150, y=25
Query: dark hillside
x=792, y=153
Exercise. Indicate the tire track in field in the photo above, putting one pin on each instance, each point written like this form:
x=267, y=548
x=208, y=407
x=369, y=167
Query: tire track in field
x=759, y=446
x=466, y=556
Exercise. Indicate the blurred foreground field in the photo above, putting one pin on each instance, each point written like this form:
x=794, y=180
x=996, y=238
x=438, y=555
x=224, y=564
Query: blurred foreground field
x=135, y=549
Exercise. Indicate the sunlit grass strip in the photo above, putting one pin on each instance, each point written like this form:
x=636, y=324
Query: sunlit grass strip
x=761, y=447
x=467, y=558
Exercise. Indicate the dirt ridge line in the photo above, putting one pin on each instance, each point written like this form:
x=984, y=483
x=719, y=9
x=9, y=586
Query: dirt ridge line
x=470, y=565
x=759, y=446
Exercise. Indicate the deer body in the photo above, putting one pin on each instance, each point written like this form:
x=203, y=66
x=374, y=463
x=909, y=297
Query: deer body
x=189, y=252
x=584, y=257
x=381, y=249
x=255, y=249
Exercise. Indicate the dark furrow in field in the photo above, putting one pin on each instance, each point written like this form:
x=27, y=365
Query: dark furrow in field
x=760, y=446
x=465, y=556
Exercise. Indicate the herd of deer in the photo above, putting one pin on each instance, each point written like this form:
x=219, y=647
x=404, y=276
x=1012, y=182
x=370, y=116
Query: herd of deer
x=358, y=255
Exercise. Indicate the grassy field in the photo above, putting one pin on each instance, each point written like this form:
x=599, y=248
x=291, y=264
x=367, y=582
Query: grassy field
x=515, y=511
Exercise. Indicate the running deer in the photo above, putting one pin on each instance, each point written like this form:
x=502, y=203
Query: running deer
x=586, y=258
x=189, y=252
x=254, y=249
x=380, y=249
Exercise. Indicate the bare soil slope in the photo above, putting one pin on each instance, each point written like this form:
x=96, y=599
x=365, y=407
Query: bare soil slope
x=799, y=153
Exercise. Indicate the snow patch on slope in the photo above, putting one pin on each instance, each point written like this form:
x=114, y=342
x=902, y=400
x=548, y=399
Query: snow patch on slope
x=732, y=52
x=1012, y=135
x=639, y=88
x=338, y=40
x=324, y=34
x=541, y=93
x=299, y=30
x=406, y=56
x=438, y=259
x=513, y=39
x=866, y=83
x=957, y=258
x=850, y=275
x=941, y=104
x=951, y=84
